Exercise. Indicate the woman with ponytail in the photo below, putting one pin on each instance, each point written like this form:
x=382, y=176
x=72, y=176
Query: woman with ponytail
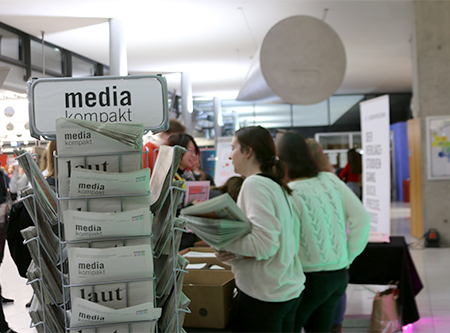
x=265, y=263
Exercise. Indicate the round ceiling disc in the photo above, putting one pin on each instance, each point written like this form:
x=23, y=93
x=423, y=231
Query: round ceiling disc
x=303, y=60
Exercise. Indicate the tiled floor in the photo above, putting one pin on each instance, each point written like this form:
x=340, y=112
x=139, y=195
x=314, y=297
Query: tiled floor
x=431, y=264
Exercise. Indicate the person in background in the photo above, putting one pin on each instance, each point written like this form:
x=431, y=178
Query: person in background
x=4, y=328
x=4, y=226
x=232, y=186
x=174, y=127
x=325, y=206
x=49, y=171
x=320, y=159
x=323, y=165
x=18, y=180
x=198, y=173
x=43, y=158
x=189, y=173
x=267, y=270
x=187, y=159
x=352, y=171
x=9, y=170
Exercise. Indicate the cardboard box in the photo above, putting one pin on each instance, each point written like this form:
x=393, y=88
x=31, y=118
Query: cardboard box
x=211, y=294
x=209, y=261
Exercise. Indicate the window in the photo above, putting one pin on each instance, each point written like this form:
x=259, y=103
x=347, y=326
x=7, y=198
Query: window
x=10, y=45
x=82, y=68
x=310, y=115
x=339, y=105
x=53, y=57
x=335, y=141
x=273, y=115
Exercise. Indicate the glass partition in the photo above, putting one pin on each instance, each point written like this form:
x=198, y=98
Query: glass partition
x=54, y=60
x=310, y=115
x=273, y=115
x=10, y=45
x=82, y=68
x=339, y=105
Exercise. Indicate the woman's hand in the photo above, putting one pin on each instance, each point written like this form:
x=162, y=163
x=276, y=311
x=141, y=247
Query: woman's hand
x=224, y=255
x=196, y=201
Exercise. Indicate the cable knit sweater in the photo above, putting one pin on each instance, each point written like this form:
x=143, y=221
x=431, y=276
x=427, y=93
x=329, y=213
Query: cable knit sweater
x=326, y=208
x=270, y=269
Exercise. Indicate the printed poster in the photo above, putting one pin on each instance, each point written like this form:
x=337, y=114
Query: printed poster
x=438, y=146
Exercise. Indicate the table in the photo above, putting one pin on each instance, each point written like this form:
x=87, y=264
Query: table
x=387, y=263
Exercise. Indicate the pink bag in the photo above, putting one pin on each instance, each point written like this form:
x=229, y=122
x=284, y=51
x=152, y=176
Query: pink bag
x=385, y=312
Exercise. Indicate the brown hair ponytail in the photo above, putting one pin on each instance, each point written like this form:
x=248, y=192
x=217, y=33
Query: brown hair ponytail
x=260, y=140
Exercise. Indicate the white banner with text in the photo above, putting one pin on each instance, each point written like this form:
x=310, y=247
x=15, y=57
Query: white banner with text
x=375, y=133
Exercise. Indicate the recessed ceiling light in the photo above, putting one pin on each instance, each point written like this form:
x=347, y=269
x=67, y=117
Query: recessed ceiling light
x=9, y=111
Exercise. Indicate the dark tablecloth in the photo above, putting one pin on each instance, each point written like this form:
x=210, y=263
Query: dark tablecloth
x=385, y=263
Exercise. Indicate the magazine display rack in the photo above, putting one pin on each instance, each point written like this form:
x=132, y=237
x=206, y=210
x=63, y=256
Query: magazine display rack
x=93, y=294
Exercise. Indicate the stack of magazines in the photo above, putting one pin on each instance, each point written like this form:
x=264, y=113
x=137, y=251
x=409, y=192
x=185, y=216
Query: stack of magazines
x=218, y=221
x=107, y=226
x=95, y=146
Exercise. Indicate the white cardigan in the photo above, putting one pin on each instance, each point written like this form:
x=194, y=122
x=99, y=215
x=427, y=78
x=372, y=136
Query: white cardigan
x=268, y=267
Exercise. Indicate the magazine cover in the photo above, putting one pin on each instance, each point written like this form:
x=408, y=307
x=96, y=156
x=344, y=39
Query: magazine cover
x=86, y=313
x=116, y=295
x=84, y=148
x=90, y=265
x=79, y=225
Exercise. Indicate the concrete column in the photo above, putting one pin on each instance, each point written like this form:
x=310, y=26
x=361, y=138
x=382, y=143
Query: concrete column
x=431, y=98
x=117, y=48
x=218, y=119
x=187, y=106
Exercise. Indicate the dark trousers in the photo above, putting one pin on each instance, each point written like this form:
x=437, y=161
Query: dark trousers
x=322, y=292
x=259, y=316
x=3, y=324
x=3, y=233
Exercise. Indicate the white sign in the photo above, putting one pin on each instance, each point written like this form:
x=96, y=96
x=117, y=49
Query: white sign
x=114, y=99
x=376, y=162
x=224, y=169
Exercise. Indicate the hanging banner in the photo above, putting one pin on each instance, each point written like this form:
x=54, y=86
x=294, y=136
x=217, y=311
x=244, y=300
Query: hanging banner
x=106, y=99
x=376, y=162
